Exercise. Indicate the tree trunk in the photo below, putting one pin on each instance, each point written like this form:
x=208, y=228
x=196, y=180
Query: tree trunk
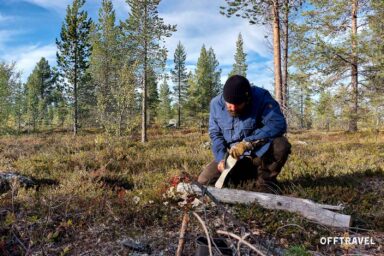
x=301, y=108
x=320, y=213
x=277, y=52
x=144, y=100
x=354, y=72
x=179, y=113
x=75, y=94
x=285, y=59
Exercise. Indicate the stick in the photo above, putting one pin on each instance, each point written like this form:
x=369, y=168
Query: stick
x=206, y=232
x=221, y=232
x=184, y=225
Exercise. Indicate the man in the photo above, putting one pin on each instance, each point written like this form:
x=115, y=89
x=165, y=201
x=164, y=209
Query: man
x=248, y=122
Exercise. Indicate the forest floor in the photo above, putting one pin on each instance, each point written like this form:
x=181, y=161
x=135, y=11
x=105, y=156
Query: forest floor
x=94, y=193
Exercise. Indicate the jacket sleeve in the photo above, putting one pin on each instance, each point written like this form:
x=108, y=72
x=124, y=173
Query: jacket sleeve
x=272, y=119
x=219, y=145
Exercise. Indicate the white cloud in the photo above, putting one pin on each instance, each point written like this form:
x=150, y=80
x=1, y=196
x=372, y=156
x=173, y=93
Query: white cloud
x=121, y=8
x=199, y=22
x=4, y=18
x=7, y=36
x=26, y=57
x=51, y=4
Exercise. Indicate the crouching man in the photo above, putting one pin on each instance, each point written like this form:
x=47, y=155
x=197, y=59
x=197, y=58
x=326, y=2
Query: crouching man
x=246, y=121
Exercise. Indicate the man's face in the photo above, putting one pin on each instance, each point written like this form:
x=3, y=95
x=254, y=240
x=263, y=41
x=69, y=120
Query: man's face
x=236, y=110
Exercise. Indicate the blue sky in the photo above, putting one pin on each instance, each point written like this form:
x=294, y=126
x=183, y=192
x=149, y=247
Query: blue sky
x=28, y=29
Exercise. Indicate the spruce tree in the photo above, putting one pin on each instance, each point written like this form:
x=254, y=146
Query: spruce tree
x=40, y=87
x=204, y=84
x=215, y=73
x=153, y=97
x=240, y=66
x=146, y=30
x=33, y=92
x=180, y=77
x=73, y=54
x=165, y=109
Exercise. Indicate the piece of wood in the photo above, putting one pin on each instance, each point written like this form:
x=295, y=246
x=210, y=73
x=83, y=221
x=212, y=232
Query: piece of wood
x=305, y=207
x=230, y=162
x=184, y=225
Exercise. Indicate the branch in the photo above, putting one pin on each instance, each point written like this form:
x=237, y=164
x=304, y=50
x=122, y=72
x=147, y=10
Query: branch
x=221, y=232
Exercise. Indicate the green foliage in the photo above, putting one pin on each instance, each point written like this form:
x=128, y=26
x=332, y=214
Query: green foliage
x=105, y=63
x=73, y=54
x=11, y=95
x=256, y=12
x=331, y=51
x=300, y=101
x=146, y=31
x=204, y=84
x=240, y=66
x=180, y=78
x=153, y=97
x=165, y=109
x=297, y=251
x=40, y=98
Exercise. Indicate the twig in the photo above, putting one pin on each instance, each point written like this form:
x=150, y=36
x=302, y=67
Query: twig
x=206, y=232
x=224, y=211
x=184, y=226
x=19, y=241
x=241, y=240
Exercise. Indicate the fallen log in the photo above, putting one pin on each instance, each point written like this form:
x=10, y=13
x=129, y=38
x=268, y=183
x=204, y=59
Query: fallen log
x=6, y=179
x=315, y=212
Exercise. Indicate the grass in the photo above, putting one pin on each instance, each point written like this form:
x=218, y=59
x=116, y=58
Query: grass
x=94, y=190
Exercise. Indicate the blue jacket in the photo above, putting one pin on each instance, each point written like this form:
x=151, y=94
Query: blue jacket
x=264, y=120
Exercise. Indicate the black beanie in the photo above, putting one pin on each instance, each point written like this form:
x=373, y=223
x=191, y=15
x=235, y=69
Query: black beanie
x=236, y=89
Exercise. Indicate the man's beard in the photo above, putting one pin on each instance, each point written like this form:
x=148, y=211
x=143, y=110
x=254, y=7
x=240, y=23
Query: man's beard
x=239, y=112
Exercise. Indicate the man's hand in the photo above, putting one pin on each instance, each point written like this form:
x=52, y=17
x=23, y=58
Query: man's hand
x=238, y=150
x=221, y=166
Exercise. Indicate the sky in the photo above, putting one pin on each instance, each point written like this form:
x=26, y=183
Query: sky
x=29, y=28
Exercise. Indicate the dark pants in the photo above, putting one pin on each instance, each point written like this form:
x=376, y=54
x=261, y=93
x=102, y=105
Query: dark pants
x=260, y=171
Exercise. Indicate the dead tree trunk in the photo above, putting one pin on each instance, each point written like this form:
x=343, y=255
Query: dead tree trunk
x=319, y=213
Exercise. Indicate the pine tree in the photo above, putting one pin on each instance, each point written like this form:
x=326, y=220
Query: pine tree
x=373, y=49
x=262, y=11
x=180, y=77
x=329, y=35
x=105, y=61
x=73, y=55
x=146, y=30
x=240, y=66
